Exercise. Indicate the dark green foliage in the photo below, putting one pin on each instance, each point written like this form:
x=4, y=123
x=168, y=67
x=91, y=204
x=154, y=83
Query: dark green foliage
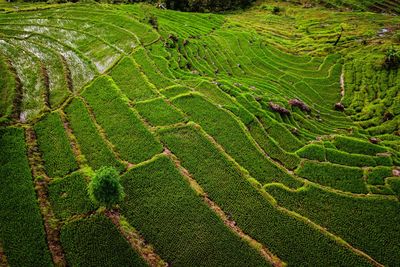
x=91, y=144
x=336, y=176
x=122, y=126
x=392, y=59
x=158, y=112
x=376, y=176
x=68, y=196
x=292, y=240
x=357, y=146
x=105, y=188
x=55, y=147
x=130, y=80
x=180, y=225
x=364, y=222
x=394, y=183
x=95, y=241
x=21, y=228
x=233, y=137
x=205, y=5
x=313, y=152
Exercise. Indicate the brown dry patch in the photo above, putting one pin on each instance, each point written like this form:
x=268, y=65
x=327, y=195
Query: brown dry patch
x=72, y=139
x=226, y=218
x=67, y=74
x=46, y=83
x=136, y=241
x=3, y=258
x=51, y=224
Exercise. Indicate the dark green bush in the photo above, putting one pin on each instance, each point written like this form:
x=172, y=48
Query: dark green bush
x=392, y=58
x=105, y=188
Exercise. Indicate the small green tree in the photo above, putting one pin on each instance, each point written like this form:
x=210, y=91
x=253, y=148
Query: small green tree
x=392, y=59
x=105, y=188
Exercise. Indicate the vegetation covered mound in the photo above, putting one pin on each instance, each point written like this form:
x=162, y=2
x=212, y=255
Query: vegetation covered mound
x=261, y=137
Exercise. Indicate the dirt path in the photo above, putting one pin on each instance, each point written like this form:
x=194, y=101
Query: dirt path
x=51, y=224
x=136, y=241
x=3, y=258
x=229, y=222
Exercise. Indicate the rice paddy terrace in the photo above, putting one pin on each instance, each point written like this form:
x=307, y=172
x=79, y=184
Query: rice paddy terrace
x=222, y=127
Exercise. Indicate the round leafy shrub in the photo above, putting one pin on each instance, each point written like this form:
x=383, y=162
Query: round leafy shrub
x=105, y=188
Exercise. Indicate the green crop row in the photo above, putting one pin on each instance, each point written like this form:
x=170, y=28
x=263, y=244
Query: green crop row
x=158, y=112
x=312, y=152
x=234, y=138
x=357, y=146
x=21, y=229
x=131, y=81
x=336, y=176
x=56, y=149
x=181, y=227
x=122, y=126
x=68, y=196
x=150, y=70
x=319, y=152
x=90, y=142
x=376, y=176
x=292, y=240
x=7, y=82
x=271, y=147
x=364, y=222
x=95, y=241
x=394, y=183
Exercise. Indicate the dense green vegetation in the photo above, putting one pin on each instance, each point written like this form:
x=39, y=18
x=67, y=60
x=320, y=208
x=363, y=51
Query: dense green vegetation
x=69, y=196
x=179, y=224
x=95, y=150
x=105, y=188
x=119, y=121
x=21, y=229
x=292, y=240
x=343, y=214
x=278, y=123
x=94, y=241
x=55, y=147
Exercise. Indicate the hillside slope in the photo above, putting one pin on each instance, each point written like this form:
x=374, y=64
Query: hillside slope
x=222, y=126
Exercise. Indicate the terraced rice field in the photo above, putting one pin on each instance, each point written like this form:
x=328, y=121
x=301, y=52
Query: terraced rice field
x=222, y=127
